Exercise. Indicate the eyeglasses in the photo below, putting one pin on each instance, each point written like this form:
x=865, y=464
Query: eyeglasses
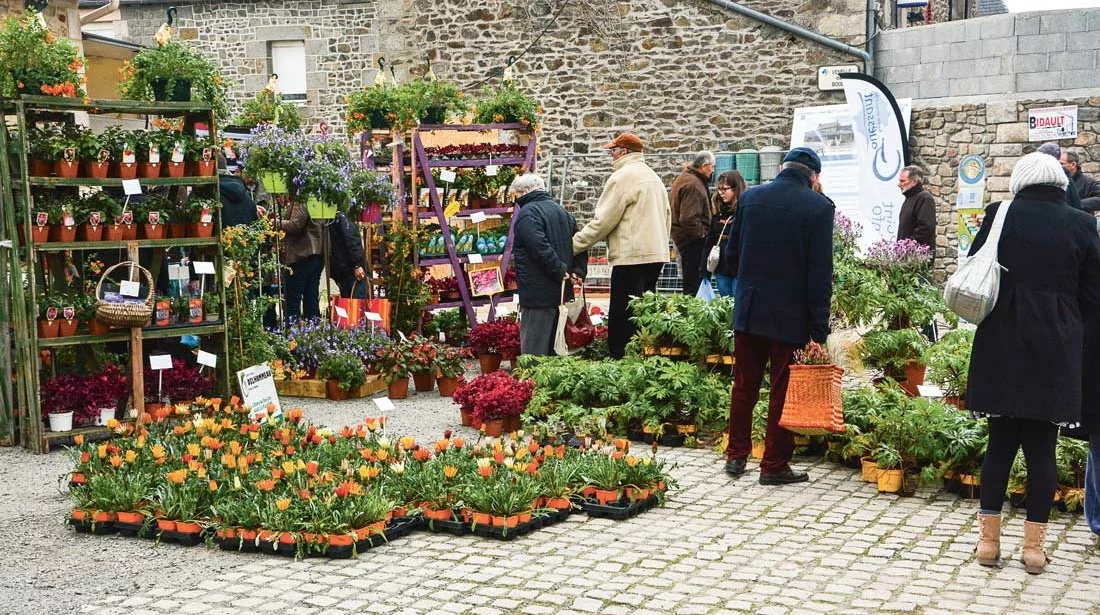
x=725, y=188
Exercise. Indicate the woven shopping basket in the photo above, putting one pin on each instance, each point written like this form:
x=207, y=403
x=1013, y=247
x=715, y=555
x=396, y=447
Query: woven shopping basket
x=813, y=406
x=133, y=313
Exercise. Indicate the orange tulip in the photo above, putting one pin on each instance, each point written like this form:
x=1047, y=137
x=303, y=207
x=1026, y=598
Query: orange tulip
x=176, y=477
x=282, y=504
x=78, y=439
x=115, y=461
x=311, y=468
x=265, y=485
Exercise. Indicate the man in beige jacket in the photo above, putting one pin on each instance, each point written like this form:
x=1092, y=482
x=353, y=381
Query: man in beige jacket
x=633, y=214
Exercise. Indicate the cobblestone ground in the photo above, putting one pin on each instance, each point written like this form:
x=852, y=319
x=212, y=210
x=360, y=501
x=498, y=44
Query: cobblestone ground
x=833, y=545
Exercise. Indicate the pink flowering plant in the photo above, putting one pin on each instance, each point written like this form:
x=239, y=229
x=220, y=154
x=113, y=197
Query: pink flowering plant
x=904, y=254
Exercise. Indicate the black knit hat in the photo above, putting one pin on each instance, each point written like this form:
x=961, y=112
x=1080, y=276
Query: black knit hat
x=806, y=156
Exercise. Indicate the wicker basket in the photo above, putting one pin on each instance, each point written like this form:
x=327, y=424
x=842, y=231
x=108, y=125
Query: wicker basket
x=125, y=314
x=813, y=405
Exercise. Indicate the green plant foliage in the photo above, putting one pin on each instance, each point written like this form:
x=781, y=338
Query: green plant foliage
x=890, y=349
x=948, y=361
x=405, y=288
x=347, y=369
x=506, y=104
x=268, y=107
x=701, y=327
x=173, y=61
x=35, y=61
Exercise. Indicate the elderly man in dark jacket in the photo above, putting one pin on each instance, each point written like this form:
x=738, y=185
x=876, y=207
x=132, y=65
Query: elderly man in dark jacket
x=781, y=246
x=545, y=264
x=347, y=259
x=917, y=220
x=1087, y=188
x=690, y=203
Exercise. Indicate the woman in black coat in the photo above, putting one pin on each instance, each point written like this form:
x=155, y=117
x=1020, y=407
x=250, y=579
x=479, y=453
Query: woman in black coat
x=729, y=187
x=1026, y=364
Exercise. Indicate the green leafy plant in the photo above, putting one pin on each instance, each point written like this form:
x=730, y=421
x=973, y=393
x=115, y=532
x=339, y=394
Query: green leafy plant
x=506, y=103
x=169, y=62
x=371, y=107
x=347, y=369
x=948, y=361
x=404, y=283
x=268, y=107
x=891, y=350
x=35, y=61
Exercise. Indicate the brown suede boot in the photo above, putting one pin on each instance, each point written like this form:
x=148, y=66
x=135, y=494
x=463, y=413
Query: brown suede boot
x=989, y=540
x=1033, y=555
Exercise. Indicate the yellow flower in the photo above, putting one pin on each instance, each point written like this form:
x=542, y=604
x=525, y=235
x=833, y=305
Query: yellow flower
x=450, y=471
x=288, y=467
x=177, y=477
x=282, y=504
x=131, y=456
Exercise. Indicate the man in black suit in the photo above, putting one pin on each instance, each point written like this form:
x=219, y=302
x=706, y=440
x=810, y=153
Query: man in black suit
x=781, y=246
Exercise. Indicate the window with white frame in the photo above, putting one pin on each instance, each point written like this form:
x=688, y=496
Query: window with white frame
x=288, y=61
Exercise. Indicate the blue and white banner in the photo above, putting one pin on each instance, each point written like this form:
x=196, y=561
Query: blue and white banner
x=881, y=133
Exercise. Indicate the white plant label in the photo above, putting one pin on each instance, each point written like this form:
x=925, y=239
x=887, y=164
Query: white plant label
x=477, y=217
x=929, y=390
x=491, y=170
x=374, y=316
x=208, y=359
x=384, y=404
x=475, y=258
x=160, y=361
x=203, y=267
x=447, y=175
x=341, y=312
x=129, y=289
x=131, y=186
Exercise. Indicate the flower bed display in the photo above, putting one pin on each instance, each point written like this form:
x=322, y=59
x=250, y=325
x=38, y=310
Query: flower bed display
x=270, y=484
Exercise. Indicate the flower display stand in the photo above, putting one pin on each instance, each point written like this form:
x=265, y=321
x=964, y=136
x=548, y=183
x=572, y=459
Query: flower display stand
x=315, y=388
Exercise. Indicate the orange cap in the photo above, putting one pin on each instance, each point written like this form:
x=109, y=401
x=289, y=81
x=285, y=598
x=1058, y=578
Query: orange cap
x=628, y=141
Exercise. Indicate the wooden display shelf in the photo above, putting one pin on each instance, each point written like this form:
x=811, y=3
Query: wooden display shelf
x=436, y=163
x=55, y=182
x=463, y=258
x=141, y=107
x=50, y=436
x=317, y=388
x=60, y=246
x=122, y=335
x=466, y=212
x=477, y=301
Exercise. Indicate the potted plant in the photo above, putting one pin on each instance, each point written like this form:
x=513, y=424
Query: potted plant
x=394, y=360
x=212, y=306
x=122, y=146
x=104, y=390
x=324, y=177
x=948, y=362
x=423, y=362
x=95, y=212
x=65, y=150
x=147, y=150
x=181, y=309
x=452, y=366
x=267, y=107
x=453, y=324
x=172, y=71
x=484, y=340
x=50, y=311
x=493, y=399
x=70, y=316
x=62, y=220
x=427, y=101
x=184, y=383
x=371, y=107
x=896, y=352
x=202, y=216
x=173, y=147
x=371, y=193
x=506, y=104
x=274, y=156
x=60, y=396
x=35, y=61
x=93, y=155
x=201, y=155
x=343, y=373
x=153, y=216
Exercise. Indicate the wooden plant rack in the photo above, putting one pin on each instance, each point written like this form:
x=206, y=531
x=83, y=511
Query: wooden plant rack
x=316, y=388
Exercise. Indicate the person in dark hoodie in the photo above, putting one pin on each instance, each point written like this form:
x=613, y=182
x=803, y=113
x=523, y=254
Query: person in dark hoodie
x=238, y=209
x=545, y=263
x=347, y=258
x=917, y=220
x=1087, y=188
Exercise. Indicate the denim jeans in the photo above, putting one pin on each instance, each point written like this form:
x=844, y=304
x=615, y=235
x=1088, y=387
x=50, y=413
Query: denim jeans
x=724, y=285
x=303, y=287
x=1092, y=485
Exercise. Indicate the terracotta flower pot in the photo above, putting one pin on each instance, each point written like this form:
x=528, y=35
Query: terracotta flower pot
x=90, y=232
x=149, y=170
x=177, y=230
x=608, y=496
x=447, y=386
x=914, y=377
x=467, y=418
x=124, y=170
x=206, y=168
x=48, y=329
x=559, y=503
x=97, y=328
x=152, y=231
x=37, y=167
x=114, y=232
x=79, y=515
x=95, y=169
x=166, y=525
x=287, y=539
x=131, y=517
x=200, y=229
x=482, y=518
x=511, y=424
x=103, y=516
x=341, y=540
x=399, y=389
x=66, y=168
x=335, y=393
x=59, y=233
x=175, y=169
x=40, y=234
x=67, y=328
x=493, y=427
x=490, y=362
x=423, y=381
x=129, y=232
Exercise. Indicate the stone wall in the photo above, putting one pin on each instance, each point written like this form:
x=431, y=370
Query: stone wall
x=996, y=131
x=684, y=75
x=1021, y=52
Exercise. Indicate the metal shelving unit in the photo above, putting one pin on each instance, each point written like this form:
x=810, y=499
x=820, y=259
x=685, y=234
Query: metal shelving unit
x=21, y=262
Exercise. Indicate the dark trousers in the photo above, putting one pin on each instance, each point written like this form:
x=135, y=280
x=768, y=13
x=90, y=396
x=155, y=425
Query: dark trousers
x=1092, y=485
x=1006, y=436
x=627, y=281
x=350, y=288
x=537, y=328
x=752, y=354
x=691, y=264
x=303, y=289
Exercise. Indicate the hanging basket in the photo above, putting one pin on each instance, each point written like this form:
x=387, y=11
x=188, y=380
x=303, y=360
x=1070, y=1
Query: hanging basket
x=133, y=313
x=813, y=404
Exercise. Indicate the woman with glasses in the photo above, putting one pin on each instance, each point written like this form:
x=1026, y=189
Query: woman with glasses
x=723, y=208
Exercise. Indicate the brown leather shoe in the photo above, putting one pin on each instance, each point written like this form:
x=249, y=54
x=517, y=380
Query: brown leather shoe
x=735, y=467
x=786, y=477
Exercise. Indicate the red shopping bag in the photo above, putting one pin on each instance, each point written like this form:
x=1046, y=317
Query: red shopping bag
x=347, y=313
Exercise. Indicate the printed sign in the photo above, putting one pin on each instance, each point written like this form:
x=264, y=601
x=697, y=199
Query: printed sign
x=828, y=77
x=154, y=154
x=970, y=201
x=177, y=152
x=41, y=218
x=447, y=176
x=475, y=258
x=154, y=217
x=257, y=384
x=68, y=313
x=206, y=217
x=128, y=154
x=51, y=313
x=128, y=288
x=128, y=217
x=94, y=218
x=485, y=281
x=1052, y=123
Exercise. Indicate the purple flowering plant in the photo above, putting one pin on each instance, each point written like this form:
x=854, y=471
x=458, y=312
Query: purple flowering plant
x=846, y=233
x=904, y=254
x=307, y=343
x=272, y=149
x=326, y=170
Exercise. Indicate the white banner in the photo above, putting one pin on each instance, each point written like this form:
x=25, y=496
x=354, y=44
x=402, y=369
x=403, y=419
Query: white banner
x=829, y=131
x=1052, y=123
x=880, y=150
x=258, y=390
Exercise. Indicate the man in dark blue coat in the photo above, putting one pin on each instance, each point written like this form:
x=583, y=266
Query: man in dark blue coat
x=544, y=262
x=781, y=246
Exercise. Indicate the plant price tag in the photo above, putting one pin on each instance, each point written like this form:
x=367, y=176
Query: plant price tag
x=131, y=186
x=491, y=170
x=475, y=258
x=374, y=316
x=129, y=289
x=477, y=217
x=597, y=319
x=160, y=361
x=447, y=176
x=341, y=312
x=384, y=404
x=204, y=267
x=929, y=390
x=208, y=359
x=178, y=272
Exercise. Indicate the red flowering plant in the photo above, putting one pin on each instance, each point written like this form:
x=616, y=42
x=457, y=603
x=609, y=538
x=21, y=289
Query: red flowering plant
x=105, y=389
x=64, y=394
x=443, y=285
x=495, y=395
x=499, y=336
x=452, y=361
x=182, y=383
x=396, y=359
x=424, y=355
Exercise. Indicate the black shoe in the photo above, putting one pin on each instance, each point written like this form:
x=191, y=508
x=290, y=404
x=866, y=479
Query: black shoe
x=735, y=467
x=784, y=478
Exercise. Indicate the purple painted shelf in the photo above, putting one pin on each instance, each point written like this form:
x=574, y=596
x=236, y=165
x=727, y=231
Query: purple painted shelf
x=463, y=258
x=465, y=212
x=475, y=162
x=478, y=301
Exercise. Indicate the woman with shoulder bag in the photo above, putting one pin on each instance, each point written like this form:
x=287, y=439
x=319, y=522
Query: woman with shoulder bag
x=730, y=187
x=302, y=248
x=1027, y=361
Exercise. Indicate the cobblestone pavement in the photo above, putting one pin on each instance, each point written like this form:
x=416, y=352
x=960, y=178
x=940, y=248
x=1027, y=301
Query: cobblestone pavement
x=832, y=545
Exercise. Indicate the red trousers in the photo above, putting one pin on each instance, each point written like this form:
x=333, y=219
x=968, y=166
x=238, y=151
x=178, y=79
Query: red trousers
x=752, y=355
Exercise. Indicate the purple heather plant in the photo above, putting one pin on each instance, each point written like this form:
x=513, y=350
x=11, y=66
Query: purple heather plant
x=846, y=232
x=903, y=254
